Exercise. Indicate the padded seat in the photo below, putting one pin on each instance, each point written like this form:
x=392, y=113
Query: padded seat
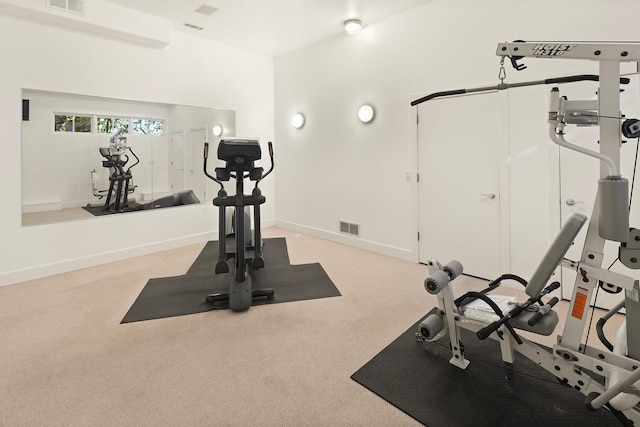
x=555, y=254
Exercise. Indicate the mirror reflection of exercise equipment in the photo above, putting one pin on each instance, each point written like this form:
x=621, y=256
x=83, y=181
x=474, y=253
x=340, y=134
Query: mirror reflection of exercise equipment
x=246, y=253
x=121, y=181
x=608, y=378
x=166, y=167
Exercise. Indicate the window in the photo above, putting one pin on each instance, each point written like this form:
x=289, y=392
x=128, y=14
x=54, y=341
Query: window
x=71, y=123
x=148, y=126
x=74, y=6
x=106, y=124
x=112, y=124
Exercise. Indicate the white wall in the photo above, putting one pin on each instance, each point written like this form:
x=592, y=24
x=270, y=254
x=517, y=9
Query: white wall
x=189, y=71
x=336, y=168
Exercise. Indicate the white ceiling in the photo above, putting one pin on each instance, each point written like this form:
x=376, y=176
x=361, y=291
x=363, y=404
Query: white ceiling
x=272, y=27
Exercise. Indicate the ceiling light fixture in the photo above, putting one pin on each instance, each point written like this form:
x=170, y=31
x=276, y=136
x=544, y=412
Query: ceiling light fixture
x=352, y=26
x=217, y=130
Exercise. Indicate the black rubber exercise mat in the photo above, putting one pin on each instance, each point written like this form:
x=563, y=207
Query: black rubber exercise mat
x=98, y=210
x=422, y=383
x=181, y=295
x=275, y=253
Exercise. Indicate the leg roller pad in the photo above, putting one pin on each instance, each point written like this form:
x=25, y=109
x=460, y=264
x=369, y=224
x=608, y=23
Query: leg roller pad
x=431, y=326
x=453, y=269
x=436, y=282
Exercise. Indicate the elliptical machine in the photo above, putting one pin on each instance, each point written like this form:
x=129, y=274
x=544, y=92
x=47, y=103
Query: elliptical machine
x=120, y=179
x=239, y=156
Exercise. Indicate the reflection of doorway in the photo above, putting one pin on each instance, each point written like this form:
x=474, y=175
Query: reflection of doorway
x=176, y=161
x=194, y=175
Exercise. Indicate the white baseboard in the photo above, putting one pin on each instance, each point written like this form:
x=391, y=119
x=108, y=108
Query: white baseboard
x=404, y=254
x=40, y=271
x=42, y=207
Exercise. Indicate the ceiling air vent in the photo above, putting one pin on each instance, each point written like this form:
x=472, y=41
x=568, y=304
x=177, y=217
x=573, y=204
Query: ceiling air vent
x=73, y=6
x=206, y=10
x=194, y=26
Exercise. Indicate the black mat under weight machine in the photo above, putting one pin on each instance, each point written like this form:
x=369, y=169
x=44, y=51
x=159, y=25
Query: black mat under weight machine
x=422, y=383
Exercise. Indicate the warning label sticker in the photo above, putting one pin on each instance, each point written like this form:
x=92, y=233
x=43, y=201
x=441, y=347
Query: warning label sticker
x=580, y=303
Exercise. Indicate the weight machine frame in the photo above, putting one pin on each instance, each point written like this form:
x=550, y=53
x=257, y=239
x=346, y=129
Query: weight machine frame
x=569, y=360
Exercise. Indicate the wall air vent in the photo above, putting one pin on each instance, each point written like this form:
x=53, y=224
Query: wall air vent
x=206, y=10
x=348, y=228
x=193, y=26
x=73, y=6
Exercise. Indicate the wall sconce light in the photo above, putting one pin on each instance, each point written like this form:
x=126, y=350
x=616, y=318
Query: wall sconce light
x=217, y=130
x=352, y=26
x=297, y=120
x=366, y=113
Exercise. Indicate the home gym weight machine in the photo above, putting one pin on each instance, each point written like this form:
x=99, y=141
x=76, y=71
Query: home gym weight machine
x=574, y=363
x=239, y=156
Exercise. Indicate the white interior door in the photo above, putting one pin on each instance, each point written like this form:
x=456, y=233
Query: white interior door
x=176, y=161
x=579, y=179
x=533, y=177
x=459, y=177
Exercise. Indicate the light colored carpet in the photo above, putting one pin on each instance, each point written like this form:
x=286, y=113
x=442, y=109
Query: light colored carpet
x=65, y=359
x=60, y=215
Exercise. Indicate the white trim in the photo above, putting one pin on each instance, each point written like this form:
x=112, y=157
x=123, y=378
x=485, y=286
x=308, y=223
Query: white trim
x=415, y=195
x=344, y=239
x=42, y=207
x=40, y=271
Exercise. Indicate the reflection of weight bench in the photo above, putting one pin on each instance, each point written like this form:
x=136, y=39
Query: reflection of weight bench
x=569, y=366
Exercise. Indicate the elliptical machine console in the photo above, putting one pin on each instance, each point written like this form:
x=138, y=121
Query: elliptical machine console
x=239, y=156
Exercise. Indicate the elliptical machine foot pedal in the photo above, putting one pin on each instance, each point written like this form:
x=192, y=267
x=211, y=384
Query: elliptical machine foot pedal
x=212, y=299
x=222, y=267
x=257, y=262
x=263, y=293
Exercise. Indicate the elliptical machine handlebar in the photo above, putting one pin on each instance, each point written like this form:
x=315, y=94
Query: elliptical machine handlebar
x=134, y=155
x=206, y=157
x=270, y=144
x=271, y=158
